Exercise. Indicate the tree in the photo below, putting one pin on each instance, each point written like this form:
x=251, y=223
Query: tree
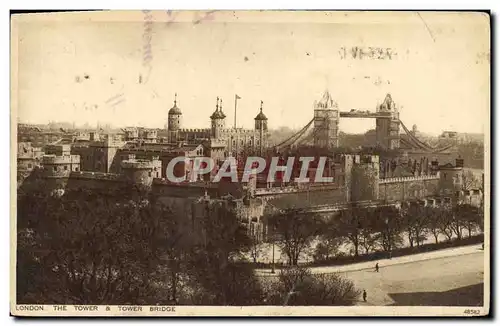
x=469, y=181
x=91, y=248
x=387, y=221
x=416, y=219
x=296, y=286
x=368, y=240
x=217, y=275
x=296, y=231
x=255, y=248
x=434, y=222
x=327, y=248
x=445, y=222
x=468, y=216
x=349, y=224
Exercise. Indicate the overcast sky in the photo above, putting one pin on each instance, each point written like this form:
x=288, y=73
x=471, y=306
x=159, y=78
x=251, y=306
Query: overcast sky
x=439, y=75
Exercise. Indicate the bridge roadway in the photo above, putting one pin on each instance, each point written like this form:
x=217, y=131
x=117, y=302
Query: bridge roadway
x=367, y=115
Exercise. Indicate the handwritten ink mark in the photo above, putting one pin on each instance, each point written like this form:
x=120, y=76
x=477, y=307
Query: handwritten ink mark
x=426, y=26
x=147, y=55
x=115, y=100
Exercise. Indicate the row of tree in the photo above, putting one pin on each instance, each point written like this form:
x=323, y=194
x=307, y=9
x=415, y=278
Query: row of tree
x=87, y=247
x=370, y=229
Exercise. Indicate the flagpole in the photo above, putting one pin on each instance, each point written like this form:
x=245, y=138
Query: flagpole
x=235, y=101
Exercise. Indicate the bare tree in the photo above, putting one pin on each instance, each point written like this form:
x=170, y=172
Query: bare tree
x=349, y=224
x=91, y=248
x=445, y=222
x=434, y=222
x=296, y=230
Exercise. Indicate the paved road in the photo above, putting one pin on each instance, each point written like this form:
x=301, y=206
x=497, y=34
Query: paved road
x=455, y=280
x=445, y=277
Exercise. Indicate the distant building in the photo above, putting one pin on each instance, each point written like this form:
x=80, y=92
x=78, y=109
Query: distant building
x=219, y=140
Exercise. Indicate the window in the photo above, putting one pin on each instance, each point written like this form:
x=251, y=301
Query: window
x=76, y=169
x=30, y=166
x=444, y=175
x=55, y=168
x=65, y=168
x=149, y=173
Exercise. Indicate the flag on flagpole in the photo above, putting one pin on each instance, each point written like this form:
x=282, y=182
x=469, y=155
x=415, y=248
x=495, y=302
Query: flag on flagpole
x=236, y=98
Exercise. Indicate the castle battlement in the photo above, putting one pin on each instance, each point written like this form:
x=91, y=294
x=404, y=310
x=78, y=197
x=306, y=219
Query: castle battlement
x=65, y=159
x=95, y=175
x=140, y=164
x=293, y=189
x=238, y=131
x=195, y=130
x=187, y=183
x=409, y=179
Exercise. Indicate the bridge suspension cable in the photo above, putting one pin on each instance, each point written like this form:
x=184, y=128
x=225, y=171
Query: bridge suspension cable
x=415, y=142
x=295, y=136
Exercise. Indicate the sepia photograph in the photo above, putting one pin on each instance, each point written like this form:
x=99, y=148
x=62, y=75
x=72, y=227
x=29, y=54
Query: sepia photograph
x=250, y=163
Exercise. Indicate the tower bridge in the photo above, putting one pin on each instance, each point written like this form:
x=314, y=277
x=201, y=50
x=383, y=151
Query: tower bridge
x=323, y=128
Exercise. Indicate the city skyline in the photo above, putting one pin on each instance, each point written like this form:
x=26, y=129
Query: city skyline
x=95, y=72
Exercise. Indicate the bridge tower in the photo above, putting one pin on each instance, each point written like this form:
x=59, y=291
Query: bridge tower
x=387, y=129
x=326, y=122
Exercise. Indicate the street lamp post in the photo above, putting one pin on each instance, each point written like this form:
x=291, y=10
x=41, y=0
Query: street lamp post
x=273, y=239
x=272, y=265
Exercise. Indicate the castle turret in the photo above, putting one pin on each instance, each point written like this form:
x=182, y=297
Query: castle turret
x=141, y=172
x=174, y=121
x=218, y=119
x=451, y=178
x=131, y=134
x=150, y=135
x=261, y=128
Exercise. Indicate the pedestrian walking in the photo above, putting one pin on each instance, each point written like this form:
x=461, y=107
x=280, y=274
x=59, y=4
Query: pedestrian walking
x=364, y=295
x=376, y=267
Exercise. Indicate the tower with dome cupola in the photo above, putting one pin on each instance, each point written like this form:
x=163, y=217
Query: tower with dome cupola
x=218, y=119
x=174, y=122
x=261, y=128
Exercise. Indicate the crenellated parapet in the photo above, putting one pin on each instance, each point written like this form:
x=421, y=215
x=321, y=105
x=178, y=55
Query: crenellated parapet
x=139, y=164
x=195, y=130
x=410, y=179
x=95, y=176
x=141, y=171
x=243, y=132
x=66, y=159
x=55, y=166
